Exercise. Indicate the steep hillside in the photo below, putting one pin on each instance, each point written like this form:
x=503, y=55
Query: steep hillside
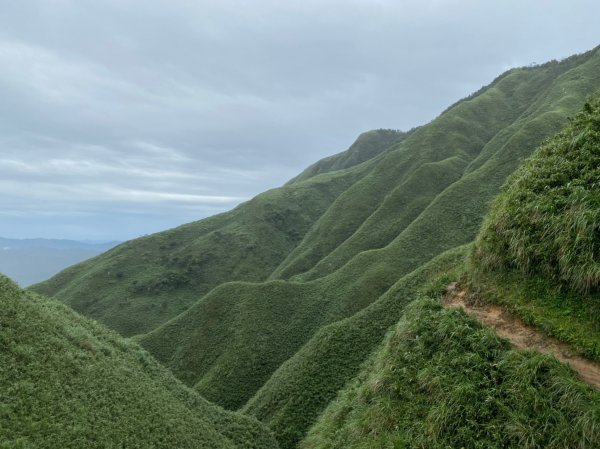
x=546, y=221
x=68, y=382
x=442, y=380
x=258, y=336
x=145, y=282
x=538, y=252
x=499, y=126
x=295, y=394
x=382, y=228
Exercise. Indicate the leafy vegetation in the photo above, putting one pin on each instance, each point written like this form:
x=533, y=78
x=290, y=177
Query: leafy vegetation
x=68, y=382
x=443, y=380
x=547, y=219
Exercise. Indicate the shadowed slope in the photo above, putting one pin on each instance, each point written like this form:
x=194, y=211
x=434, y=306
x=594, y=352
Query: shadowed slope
x=292, y=398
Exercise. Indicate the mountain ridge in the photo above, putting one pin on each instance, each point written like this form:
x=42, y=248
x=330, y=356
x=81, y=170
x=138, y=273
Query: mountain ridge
x=383, y=229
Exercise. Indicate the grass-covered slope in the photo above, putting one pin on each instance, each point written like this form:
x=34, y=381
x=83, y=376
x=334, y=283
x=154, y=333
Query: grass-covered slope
x=538, y=252
x=456, y=214
x=233, y=339
x=442, y=380
x=299, y=390
x=511, y=116
x=367, y=146
x=395, y=213
x=546, y=221
x=68, y=382
x=145, y=282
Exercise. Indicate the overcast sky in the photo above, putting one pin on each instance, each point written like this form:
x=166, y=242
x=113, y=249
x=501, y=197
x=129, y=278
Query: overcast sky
x=125, y=117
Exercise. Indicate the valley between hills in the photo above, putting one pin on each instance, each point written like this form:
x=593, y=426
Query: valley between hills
x=316, y=314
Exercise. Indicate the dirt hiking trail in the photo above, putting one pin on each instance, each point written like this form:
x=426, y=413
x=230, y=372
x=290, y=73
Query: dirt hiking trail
x=523, y=336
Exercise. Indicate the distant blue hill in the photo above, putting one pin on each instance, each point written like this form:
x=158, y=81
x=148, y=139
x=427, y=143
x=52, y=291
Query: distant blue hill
x=29, y=261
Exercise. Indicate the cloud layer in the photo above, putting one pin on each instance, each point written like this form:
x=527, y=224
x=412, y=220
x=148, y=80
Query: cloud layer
x=124, y=117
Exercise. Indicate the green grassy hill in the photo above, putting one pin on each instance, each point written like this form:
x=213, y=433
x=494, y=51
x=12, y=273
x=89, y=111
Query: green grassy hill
x=298, y=391
x=259, y=337
x=354, y=243
x=68, y=382
x=501, y=125
x=145, y=282
x=442, y=380
x=538, y=252
x=142, y=283
x=546, y=219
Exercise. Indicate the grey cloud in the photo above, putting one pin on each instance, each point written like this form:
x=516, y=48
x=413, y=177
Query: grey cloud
x=123, y=117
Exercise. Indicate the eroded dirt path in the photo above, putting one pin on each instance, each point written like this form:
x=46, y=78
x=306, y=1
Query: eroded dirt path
x=523, y=336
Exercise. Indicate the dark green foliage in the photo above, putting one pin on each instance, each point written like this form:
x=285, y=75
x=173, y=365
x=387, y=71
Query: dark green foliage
x=442, y=380
x=68, y=382
x=547, y=218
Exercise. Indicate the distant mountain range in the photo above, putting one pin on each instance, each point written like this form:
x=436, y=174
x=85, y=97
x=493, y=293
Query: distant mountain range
x=28, y=261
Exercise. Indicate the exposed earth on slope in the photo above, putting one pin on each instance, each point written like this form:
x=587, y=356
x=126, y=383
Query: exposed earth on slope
x=521, y=335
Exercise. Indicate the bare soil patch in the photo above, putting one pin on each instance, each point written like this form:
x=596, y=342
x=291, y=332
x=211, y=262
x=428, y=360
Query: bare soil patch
x=523, y=336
